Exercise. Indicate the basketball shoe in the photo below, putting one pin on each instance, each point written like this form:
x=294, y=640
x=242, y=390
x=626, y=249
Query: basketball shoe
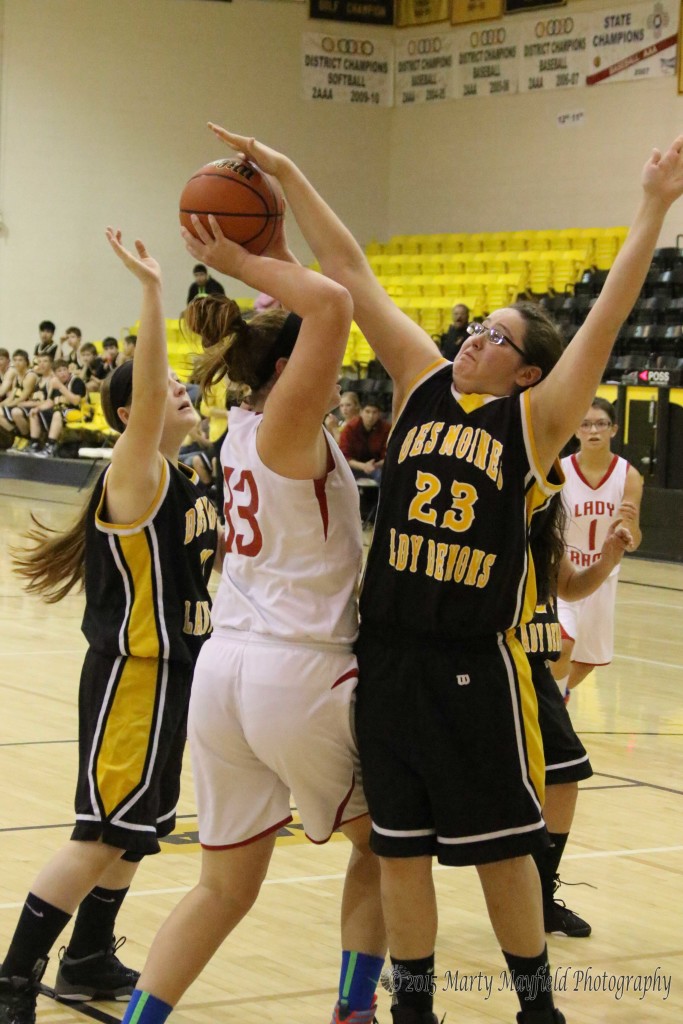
x=558, y=919
x=98, y=976
x=18, y=996
x=356, y=1017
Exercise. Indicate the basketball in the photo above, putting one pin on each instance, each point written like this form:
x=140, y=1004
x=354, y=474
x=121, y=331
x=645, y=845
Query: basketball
x=247, y=203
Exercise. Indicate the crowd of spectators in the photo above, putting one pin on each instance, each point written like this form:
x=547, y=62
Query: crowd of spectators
x=39, y=393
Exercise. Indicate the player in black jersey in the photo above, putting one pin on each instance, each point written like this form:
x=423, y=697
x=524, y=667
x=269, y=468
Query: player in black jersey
x=446, y=717
x=566, y=760
x=144, y=547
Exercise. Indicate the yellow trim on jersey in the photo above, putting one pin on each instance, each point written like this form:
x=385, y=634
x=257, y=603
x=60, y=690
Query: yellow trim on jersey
x=542, y=479
x=142, y=628
x=469, y=402
x=529, y=710
x=415, y=383
x=146, y=518
x=123, y=751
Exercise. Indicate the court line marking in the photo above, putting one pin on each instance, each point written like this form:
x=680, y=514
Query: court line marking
x=646, y=661
x=314, y=879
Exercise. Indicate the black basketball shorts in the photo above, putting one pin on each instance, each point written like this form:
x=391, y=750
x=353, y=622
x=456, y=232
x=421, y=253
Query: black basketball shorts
x=566, y=759
x=450, y=748
x=132, y=730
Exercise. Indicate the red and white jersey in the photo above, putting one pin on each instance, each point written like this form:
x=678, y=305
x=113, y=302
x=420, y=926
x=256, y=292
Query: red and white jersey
x=293, y=547
x=591, y=509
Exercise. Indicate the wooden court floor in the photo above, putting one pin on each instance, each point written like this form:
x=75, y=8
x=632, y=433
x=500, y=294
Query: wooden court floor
x=624, y=860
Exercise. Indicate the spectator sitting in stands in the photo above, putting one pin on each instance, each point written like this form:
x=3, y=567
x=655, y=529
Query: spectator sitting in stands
x=20, y=413
x=451, y=341
x=364, y=441
x=213, y=408
x=47, y=344
x=129, y=343
x=69, y=348
x=94, y=371
x=111, y=357
x=203, y=284
x=5, y=369
x=67, y=391
x=349, y=408
x=21, y=382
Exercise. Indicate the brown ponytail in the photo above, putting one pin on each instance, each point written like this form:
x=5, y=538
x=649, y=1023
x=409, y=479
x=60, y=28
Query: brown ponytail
x=234, y=348
x=56, y=562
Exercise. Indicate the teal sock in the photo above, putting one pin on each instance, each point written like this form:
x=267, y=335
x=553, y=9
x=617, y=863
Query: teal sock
x=358, y=980
x=144, y=1008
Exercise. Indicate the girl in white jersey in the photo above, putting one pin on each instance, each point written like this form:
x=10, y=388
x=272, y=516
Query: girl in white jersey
x=272, y=701
x=600, y=488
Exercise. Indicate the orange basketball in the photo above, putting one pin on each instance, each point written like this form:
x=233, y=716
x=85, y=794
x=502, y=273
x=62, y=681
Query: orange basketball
x=247, y=203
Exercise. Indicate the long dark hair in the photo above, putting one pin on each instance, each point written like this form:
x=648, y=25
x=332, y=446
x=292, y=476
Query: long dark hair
x=55, y=563
x=244, y=351
x=547, y=546
x=543, y=342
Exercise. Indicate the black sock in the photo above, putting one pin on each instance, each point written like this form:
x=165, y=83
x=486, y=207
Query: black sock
x=37, y=929
x=532, y=980
x=414, y=982
x=548, y=862
x=94, y=924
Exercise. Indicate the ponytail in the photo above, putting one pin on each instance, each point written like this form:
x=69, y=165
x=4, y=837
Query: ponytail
x=243, y=351
x=56, y=562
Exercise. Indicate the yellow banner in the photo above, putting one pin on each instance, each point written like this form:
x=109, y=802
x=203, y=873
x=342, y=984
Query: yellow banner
x=463, y=11
x=420, y=12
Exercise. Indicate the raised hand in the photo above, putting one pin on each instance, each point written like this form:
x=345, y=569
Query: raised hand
x=269, y=160
x=617, y=541
x=213, y=248
x=663, y=173
x=144, y=266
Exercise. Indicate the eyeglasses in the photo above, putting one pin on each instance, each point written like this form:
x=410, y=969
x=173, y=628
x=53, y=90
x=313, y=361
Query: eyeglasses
x=588, y=425
x=495, y=337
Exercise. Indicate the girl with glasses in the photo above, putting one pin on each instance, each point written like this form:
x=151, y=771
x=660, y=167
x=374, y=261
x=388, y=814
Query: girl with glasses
x=600, y=488
x=446, y=715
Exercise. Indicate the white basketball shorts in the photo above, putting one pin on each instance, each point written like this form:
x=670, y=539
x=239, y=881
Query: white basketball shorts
x=590, y=624
x=270, y=718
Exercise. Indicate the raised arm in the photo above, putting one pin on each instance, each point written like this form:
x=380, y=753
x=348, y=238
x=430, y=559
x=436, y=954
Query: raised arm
x=136, y=461
x=401, y=345
x=290, y=437
x=559, y=402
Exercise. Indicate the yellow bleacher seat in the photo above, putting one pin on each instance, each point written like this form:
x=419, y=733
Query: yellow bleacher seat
x=374, y=249
x=540, y=240
x=452, y=243
x=409, y=243
x=541, y=276
x=473, y=242
x=431, y=245
x=495, y=241
x=453, y=265
x=520, y=240
x=431, y=264
x=477, y=263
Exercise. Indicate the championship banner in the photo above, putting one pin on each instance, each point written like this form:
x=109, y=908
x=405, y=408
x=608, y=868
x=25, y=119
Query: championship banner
x=637, y=41
x=487, y=59
x=421, y=12
x=424, y=69
x=554, y=51
x=347, y=69
x=465, y=11
x=372, y=12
